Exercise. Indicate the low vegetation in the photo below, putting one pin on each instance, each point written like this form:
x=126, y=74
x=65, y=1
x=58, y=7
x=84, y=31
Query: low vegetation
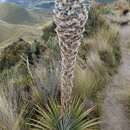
x=31, y=72
x=98, y=59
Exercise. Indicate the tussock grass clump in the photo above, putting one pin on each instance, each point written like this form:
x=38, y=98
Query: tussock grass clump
x=98, y=59
x=12, y=107
x=122, y=4
x=95, y=21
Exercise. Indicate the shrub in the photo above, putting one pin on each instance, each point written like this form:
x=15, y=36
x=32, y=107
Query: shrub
x=48, y=31
x=15, y=52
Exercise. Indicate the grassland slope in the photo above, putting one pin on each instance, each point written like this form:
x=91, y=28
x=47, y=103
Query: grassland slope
x=15, y=14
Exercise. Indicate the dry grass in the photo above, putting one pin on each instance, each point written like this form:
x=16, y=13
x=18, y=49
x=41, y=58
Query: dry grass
x=98, y=59
x=122, y=5
x=11, y=106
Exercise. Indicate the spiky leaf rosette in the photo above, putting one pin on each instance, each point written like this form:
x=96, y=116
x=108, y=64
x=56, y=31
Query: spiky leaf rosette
x=49, y=118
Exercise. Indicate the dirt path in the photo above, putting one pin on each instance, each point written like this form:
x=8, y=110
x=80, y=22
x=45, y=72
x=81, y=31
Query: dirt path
x=114, y=113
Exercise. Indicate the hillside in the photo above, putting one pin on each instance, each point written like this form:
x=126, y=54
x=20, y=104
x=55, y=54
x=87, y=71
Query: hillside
x=33, y=4
x=9, y=32
x=15, y=14
x=16, y=21
x=42, y=4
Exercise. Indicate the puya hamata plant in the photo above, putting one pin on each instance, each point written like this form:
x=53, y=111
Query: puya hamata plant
x=70, y=19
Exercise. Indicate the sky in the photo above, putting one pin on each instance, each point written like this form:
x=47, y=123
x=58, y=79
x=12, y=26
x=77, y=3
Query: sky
x=2, y=1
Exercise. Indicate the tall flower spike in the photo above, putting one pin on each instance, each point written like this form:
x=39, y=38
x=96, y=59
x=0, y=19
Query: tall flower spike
x=70, y=18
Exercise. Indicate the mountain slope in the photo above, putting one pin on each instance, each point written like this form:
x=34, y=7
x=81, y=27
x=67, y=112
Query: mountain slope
x=15, y=14
x=9, y=32
x=33, y=4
